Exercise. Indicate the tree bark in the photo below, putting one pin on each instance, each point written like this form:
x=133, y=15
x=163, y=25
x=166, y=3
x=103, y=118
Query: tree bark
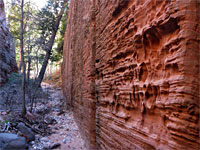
x=22, y=60
x=29, y=48
x=37, y=64
x=29, y=60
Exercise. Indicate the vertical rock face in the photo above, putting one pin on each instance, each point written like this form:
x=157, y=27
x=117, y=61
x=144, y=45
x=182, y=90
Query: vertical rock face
x=79, y=67
x=7, y=51
x=131, y=73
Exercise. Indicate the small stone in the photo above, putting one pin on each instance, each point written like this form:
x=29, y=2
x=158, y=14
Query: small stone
x=4, y=113
x=56, y=128
x=50, y=120
x=64, y=140
x=55, y=145
x=44, y=139
x=60, y=112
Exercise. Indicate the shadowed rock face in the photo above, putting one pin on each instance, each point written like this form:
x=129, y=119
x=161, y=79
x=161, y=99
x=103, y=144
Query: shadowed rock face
x=131, y=73
x=7, y=51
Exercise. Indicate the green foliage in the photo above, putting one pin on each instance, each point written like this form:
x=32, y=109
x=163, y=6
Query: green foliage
x=46, y=25
x=14, y=17
x=38, y=26
x=6, y=121
x=56, y=56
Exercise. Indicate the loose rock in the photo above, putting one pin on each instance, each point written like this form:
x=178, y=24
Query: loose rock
x=9, y=141
x=42, y=109
x=26, y=131
x=49, y=120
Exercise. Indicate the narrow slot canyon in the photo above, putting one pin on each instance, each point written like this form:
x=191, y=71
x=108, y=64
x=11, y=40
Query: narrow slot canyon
x=100, y=75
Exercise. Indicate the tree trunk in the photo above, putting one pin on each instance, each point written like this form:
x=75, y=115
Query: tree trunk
x=29, y=68
x=37, y=64
x=22, y=60
x=43, y=69
x=29, y=60
x=20, y=63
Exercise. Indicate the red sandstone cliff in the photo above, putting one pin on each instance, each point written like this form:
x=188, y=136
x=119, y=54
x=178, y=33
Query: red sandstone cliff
x=131, y=73
x=7, y=51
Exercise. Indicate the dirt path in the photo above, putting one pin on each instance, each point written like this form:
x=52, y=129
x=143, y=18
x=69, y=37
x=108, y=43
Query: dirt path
x=65, y=130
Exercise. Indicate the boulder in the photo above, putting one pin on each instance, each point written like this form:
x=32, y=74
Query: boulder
x=9, y=141
x=26, y=131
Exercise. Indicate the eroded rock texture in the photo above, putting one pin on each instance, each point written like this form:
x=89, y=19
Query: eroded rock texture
x=131, y=73
x=7, y=51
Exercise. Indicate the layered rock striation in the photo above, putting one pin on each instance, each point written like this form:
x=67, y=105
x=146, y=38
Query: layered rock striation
x=131, y=73
x=7, y=51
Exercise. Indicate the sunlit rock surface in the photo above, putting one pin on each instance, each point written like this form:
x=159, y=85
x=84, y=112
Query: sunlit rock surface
x=131, y=73
x=7, y=51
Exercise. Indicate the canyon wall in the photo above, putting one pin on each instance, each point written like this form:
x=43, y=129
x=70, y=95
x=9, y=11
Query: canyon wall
x=131, y=73
x=7, y=50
